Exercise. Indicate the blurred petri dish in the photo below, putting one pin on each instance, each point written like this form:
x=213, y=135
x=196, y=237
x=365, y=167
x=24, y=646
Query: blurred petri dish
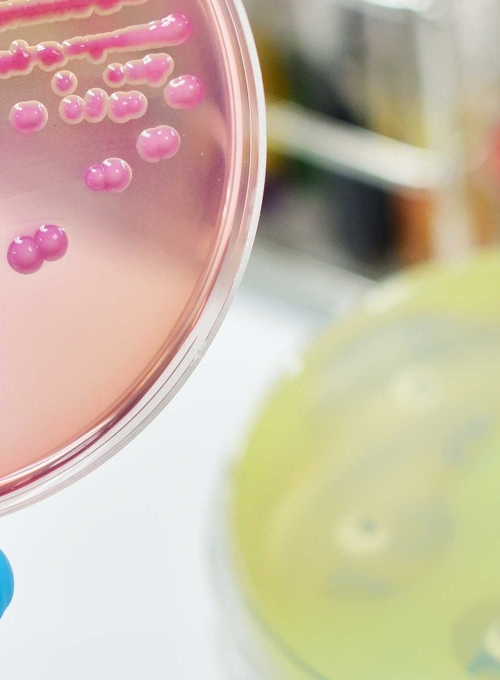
x=360, y=518
x=129, y=204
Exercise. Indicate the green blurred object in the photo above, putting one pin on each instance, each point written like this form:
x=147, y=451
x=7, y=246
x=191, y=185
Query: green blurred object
x=365, y=511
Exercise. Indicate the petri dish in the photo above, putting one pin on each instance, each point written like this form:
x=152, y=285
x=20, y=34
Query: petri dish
x=360, y=518
x=136, y=144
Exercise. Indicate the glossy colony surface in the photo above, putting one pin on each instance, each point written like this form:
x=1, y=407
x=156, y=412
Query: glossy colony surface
x=108, y=255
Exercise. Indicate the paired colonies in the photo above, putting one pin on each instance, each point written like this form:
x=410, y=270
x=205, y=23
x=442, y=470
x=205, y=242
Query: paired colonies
x=26, y=254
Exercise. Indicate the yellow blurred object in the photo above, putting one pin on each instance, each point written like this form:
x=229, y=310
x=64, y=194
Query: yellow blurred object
x=365, y=510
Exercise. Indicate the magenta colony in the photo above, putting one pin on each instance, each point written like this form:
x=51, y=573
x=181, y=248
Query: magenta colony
x=26, y=254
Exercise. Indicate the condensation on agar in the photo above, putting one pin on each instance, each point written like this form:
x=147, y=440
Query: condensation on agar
x=112, y=175
x=24, y=256
x=52, y=242
x=96, y=105
x=125, y=106
x=184, y=92
x=26, y=117
x=72, y=109
x=155, y=144
x=63, y=83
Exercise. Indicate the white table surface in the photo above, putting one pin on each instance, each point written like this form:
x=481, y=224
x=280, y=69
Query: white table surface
x=112, y=577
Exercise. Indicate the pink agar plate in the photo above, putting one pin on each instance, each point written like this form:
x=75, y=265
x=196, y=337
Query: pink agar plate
x=136, y=134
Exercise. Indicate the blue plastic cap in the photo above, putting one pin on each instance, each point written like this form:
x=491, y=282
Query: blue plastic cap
x=6, y=583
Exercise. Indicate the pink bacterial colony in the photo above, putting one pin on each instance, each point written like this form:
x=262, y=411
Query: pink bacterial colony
x=96, y=105
x=157, y=143
x=184, y=92
x=26, y=117
x=63, y=83
x=27, y=254
x=72, y=109
x=125, y=106
x=153, y=70
x=113, y=175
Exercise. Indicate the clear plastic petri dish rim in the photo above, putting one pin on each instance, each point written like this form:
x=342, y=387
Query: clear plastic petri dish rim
x=246, y=110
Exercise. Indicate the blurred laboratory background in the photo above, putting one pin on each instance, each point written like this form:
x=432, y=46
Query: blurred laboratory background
x=366, y=482
x=244, y=536
x=384, y=128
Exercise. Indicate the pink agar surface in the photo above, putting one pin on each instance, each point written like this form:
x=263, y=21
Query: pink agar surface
x=96, y=105
x=21, y=58
x=157, y=143
x=24, y=256
x=184, y=92
x=52, y=242
x=14, y=13
x=153, y=70
x=26, y=117
x=63, y=83
x=113, y=175
x=108, y=317
x=125, y=106
x=72, y=109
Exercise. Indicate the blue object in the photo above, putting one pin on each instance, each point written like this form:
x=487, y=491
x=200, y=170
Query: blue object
x=484, y=664
x=6, y=583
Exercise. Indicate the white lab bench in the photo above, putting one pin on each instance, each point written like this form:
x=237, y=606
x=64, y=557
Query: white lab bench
x=112, y=576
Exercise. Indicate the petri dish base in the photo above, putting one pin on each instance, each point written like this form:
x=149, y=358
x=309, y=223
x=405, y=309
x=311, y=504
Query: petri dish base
x=96, y=342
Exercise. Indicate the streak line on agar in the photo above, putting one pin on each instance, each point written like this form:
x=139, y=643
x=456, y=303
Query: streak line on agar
x=21, y=58
x=16, y=13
